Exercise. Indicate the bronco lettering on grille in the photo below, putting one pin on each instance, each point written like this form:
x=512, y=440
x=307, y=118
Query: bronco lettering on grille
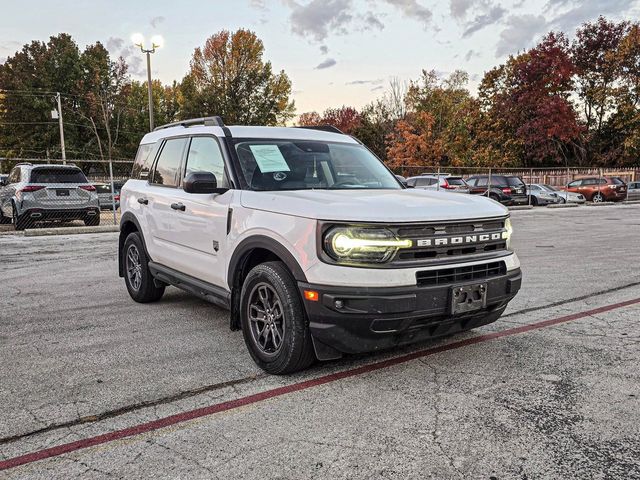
x=461, y=240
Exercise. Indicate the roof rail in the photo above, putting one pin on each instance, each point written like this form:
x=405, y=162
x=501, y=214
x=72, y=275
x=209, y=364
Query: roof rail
x=206, y=121
x=323, y=128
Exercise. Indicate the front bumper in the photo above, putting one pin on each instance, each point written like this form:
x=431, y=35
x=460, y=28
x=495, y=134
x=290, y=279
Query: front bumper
x=370, y=319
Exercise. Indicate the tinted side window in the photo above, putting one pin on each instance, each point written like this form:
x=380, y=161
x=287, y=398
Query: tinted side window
x=14, y=176
x=411, y=182
x=423, y=182
x=575, y=183
x=144, y=160
x=589, y=181
x=482, y=182
x=166, y=171
x=205, y=156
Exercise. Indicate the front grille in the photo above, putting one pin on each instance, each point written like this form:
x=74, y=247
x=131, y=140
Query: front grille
x=460, y=274
x=438, y=252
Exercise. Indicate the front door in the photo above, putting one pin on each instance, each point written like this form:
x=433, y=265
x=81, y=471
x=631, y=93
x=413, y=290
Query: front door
x=201, y=227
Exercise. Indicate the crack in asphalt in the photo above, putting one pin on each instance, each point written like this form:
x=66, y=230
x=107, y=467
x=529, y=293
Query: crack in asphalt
x=129, y=408
x=233, y=383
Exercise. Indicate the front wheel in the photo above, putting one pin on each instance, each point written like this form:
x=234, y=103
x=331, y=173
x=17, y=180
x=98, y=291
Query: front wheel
x=274, y=323
x=137, y=275
x=598, y=197
x=562, y=201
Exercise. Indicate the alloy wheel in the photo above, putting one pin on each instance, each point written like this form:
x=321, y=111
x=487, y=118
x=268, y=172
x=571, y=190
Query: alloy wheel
x=134, y=267
x=266, y=319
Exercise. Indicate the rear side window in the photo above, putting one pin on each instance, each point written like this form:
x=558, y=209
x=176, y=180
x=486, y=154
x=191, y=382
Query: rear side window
x=57, y=175
x=455, y=181
x=143, y=161
x=589, y=181
x=514, y=182
x=14, y=176
x=205, y=156
x=166, y=171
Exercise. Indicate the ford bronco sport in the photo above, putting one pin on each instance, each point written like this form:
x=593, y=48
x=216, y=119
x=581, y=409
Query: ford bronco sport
x=309, y=240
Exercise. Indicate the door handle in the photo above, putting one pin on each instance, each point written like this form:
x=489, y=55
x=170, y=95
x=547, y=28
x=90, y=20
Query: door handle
x=143, y=201
x=178, y=206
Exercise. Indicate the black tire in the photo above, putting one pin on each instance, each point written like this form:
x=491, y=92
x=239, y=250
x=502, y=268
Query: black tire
x=495, y=197
x=20, y=222
x=144, y=289
x=295, y=349
x=4, y=219
x=534, y=201
x=93, y=221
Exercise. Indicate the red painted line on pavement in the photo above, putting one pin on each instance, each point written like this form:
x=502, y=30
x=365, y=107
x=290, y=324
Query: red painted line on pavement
x=295, y=387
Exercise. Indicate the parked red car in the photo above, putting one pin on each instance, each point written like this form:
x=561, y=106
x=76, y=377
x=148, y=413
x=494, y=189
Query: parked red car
x=600, y=189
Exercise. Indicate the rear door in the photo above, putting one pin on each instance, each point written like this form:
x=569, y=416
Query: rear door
x=202, y=226
x=159, y=216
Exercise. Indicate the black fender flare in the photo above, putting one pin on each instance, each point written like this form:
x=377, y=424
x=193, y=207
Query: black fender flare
x=267, y=243
x=128, y=217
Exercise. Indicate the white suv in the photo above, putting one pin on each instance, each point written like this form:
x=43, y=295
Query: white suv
x=309, y=240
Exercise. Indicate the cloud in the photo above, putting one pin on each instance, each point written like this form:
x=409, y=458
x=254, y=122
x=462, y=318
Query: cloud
x=318, y=18
x=412, y=9
x=375, y=89
x=3, y=59
x=494, y=15
x=372, y=22
x=259, y=4
x=119, y=48
x=328, y=63
x=519, y=33
x=471, y=54
x=585, y=10
x=155, y=21
x=324, y=49
x=366, y=82
x=459, y=8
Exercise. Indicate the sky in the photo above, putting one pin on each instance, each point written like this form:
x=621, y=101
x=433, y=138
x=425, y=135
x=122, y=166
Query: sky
x=336, y=52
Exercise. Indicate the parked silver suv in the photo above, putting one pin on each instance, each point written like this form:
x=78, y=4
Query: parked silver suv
x=42, y=193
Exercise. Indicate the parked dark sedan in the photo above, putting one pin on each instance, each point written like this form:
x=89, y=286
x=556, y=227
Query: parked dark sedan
x=506, y=189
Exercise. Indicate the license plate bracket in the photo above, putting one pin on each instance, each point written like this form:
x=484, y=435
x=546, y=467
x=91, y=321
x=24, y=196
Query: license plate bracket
x=62, y=193
x=468, y=298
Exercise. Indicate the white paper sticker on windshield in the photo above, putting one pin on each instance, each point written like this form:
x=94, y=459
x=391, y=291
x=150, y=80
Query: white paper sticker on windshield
x=269, y=158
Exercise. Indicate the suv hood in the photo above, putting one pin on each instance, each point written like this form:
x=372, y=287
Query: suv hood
x=385, y=206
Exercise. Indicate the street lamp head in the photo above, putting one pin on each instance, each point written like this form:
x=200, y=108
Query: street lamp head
x=157, y=42
x=138, y=40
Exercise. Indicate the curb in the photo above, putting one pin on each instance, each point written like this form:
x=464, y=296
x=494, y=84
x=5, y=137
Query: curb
x=521, y=207
x=563, y=205
x=631, y=202
x=599, y=204
x=41, y=232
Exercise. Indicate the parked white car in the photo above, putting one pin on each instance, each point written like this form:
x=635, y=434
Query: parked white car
x=570, y=197
x=310, y=241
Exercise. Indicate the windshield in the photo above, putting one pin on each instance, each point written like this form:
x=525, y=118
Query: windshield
x=307, y=165
x=550, y=188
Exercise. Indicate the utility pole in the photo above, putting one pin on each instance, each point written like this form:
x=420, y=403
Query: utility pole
x=61, y=124
x=149, y=52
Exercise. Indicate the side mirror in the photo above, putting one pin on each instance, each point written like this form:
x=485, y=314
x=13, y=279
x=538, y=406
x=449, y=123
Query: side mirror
x=202, y=182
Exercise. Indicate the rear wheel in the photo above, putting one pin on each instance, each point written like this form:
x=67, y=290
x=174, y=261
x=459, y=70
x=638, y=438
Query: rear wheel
x=20, y=222
x=137, y=275
x=274, y=323
x=92, y=221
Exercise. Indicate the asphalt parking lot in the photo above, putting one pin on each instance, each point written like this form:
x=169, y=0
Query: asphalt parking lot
x=94, y=385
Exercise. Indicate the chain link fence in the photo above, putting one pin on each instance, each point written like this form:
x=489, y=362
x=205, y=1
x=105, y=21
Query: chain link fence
x=97, y=201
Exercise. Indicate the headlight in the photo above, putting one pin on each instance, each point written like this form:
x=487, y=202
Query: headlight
x=362, y=245
x=508, y=230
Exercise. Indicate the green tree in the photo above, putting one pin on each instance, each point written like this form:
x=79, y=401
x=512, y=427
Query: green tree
x=228, y=77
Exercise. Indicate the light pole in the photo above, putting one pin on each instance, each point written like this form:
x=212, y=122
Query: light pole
x=156, y=42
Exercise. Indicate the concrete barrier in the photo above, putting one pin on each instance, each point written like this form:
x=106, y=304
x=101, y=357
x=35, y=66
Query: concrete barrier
x=40, y=232
x=520, y=207
x=563, y=205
